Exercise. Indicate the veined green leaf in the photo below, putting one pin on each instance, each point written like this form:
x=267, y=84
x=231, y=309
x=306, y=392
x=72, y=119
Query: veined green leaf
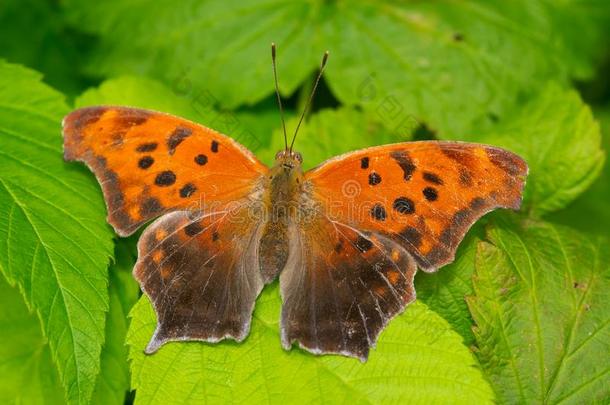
x=560, y=140
x=452, y=64
x=541, y=309
x=591, y=211
x=445, y=291
x=418, y=359
x=113, y=381
x=54, y=241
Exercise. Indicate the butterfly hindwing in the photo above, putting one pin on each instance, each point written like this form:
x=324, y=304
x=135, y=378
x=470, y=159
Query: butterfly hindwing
x=201, y=274
x=150, y=163
x=423, y=195
x=341, y=287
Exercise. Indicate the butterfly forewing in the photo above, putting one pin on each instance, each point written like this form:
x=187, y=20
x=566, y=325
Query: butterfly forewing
x=150, y=163
x=424, y=195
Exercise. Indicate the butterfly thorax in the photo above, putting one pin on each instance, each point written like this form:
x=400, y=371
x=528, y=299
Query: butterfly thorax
x=284, y=191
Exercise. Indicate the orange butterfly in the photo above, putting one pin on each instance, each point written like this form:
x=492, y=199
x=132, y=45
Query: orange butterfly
x=345, y=238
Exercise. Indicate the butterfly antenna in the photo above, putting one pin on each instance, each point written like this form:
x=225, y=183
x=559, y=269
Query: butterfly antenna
x=277, y=93
x=313, y=91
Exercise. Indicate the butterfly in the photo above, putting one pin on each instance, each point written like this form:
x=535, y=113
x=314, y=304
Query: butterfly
x=345, y=238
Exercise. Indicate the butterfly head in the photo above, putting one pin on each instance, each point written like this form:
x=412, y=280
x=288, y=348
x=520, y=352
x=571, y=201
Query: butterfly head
x=288, y=159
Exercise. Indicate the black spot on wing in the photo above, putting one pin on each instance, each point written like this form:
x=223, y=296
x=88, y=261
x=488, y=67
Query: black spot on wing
x=374, y=179
x=187, y=190
x=378, y=212
x=214, y=146
x=364, y=163
x=165, y=178
x=176, y=138
x=432, y=178
x=363, y=244
x=404, y=205
x=147, y=147
x=145, y=162
x=405, y=163
x=430, y=194
x=201, y=159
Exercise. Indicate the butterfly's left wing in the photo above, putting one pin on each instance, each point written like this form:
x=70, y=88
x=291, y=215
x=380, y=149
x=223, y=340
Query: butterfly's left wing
x=198, y=262
x=369, y=219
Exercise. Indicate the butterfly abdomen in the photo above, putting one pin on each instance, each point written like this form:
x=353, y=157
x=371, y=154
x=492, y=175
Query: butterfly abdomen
x=282, y=200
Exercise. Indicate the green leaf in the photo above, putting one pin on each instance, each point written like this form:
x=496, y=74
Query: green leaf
x=559, y=139
x=113, y=381
x=590, y=211
x=451, y=64
x=54, y=239
x=252, y=127
x=27, y=373
x=418, y=359
x=34, y=33
x=445, y=291
x=543, y=325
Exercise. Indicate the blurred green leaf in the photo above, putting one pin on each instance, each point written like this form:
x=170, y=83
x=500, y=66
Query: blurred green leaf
x=591, y=211
x=559, y=139
x=27, y=373
x=329, y=133
x=54, y=241
x=34, y=33
x=418, y=359
x=540, y=305
x=113, y=381
x=451, y=64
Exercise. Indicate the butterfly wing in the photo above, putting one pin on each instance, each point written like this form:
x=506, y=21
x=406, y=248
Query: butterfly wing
x=374, y=216
x=341, y=287
x=201, y=273
x=198, y=263
x=150, y=163
x=423, y=195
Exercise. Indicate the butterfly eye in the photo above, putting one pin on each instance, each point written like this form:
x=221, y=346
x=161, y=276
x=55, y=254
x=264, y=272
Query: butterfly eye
x=298, y=157
x=280, y=154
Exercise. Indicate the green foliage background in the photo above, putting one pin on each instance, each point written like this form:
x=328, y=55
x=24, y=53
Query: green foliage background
x=522, y=316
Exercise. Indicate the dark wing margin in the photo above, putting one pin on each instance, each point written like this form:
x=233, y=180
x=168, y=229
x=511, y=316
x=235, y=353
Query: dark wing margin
x=201, y=274
x=341, y=287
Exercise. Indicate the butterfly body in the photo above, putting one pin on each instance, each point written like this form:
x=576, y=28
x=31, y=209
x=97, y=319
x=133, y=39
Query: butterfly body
x=345, y=238
x=284, y=190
